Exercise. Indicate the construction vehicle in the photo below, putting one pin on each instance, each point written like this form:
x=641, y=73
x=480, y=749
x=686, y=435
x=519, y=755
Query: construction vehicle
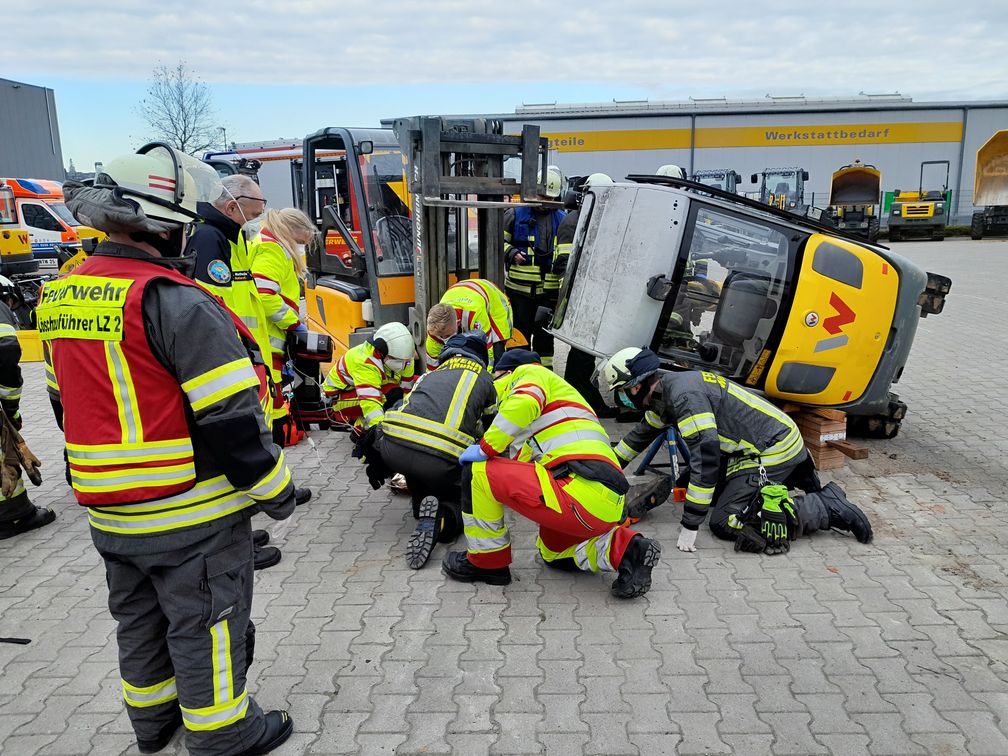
x=726, y=284
x=922, y=212
x=724, y=179
x=855, y=195
x=990, y=190
x=39, y=211
x=783, y=188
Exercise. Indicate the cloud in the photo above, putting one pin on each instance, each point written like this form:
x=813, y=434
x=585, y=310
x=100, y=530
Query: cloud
x=667, y=48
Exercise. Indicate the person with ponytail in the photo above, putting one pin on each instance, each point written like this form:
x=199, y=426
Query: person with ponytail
x=278, y=268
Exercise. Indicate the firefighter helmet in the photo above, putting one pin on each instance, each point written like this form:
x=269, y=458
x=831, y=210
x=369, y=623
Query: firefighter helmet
x=627, y=368
x=671, y=170
x=597, y=180
x=554, y=182
x=395, y=342
x=10, y=291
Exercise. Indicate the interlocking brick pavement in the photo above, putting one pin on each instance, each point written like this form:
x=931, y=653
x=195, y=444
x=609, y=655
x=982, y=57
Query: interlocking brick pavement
x=894, y=647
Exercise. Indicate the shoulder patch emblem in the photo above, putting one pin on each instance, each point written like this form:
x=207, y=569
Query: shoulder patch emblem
x=219, y=272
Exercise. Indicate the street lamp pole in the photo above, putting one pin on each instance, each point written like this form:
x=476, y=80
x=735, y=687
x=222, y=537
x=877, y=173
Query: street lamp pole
x=224, y=134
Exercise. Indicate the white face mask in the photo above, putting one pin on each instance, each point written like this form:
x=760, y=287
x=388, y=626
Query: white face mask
x=396, y=366
x=246, y=219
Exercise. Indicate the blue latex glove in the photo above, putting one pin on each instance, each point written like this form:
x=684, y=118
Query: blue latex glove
x=473, y=454
x=301, y=328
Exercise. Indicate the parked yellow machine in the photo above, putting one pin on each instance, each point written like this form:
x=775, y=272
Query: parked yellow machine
x=924, y=211
x=855, y=194
x=990, y=190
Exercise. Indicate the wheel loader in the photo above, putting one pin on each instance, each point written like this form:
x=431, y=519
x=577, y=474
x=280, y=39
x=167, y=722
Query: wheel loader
x=990, y=190
x=854, y=199
x=714, y=281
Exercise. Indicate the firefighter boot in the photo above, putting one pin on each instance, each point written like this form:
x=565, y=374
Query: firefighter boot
x=457, y=566
x=279, y=727
x=265, y=557
x=260, y=538
x=843, y=515
x=421, y=542
x=302, y=496
x=634, y=579
x=37, y=517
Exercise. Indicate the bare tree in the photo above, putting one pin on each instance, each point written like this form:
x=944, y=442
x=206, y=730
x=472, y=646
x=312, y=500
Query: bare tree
x=178, y=109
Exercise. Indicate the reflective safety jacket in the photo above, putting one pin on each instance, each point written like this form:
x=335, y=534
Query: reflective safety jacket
x=223, y=267
x=131, y=381
x=564, y=245
x=715, y=417
x=279, y=290
x=540, y=410
x=442, y=413
x=10, y=374
x=531, y=233
x=478, y=304
x=363, y=371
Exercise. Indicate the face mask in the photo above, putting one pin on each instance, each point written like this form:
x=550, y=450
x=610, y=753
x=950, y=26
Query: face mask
x=238, y=205
x=396, y=366
x=625, y=400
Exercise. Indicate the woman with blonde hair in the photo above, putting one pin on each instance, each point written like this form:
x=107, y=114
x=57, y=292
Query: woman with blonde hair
x=278, y=268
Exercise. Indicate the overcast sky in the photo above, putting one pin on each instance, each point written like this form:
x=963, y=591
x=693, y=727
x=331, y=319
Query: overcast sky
x=286, y=68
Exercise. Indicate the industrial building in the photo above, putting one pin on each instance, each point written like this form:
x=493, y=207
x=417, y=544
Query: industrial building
x=29, y=132
x=818, y=134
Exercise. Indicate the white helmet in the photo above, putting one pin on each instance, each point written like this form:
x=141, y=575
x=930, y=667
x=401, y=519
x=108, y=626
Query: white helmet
x=597, y=180
x=554, y=182
x=398, y=342
x=672, y=170
x=627, y=368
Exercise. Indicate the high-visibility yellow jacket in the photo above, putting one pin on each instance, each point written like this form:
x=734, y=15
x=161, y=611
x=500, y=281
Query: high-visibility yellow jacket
x=279, y=290
x=478, y=304
x=360, y=369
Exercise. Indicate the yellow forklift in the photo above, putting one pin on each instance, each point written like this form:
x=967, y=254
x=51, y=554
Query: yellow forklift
x=854, y=199
x=990, y=190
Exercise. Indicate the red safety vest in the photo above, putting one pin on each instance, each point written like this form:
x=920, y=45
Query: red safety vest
x=125, y=421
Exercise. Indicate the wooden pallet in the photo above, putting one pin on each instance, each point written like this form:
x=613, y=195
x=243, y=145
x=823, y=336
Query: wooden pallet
x=825, y=434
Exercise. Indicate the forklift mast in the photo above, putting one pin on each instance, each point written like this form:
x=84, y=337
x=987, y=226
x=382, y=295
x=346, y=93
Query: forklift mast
x=458, y=191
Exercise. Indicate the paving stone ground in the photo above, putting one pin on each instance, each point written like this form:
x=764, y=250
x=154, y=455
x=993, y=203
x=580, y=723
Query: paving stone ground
x=897, y=647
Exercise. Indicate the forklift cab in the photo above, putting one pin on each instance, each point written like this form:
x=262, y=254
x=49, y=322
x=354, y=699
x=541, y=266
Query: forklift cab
x=726, y=285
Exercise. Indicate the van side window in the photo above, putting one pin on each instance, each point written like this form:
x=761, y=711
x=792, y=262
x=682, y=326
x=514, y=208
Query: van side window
x=38, y=217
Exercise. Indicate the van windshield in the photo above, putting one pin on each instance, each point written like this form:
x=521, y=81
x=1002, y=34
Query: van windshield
x=61, y=212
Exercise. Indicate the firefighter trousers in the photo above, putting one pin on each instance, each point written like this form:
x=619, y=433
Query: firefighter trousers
x=578, y=518
x=736, y=491
x=524, y=308
x=183, y=623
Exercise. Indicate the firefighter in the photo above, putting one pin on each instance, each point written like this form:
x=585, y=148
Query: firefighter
x=169, y=452
x=223, y=268
x=470, y=305
x=739, y=444
x=529, y=251
x=279, y=269
x=547, y=457
x=371, y=377
x=17, y=514
x=580, y=366
x=443, y=415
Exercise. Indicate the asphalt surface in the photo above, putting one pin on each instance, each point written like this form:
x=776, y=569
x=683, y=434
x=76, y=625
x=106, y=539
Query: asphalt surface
x=896, y=647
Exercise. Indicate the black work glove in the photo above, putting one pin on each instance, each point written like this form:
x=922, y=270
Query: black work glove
x=750, y=540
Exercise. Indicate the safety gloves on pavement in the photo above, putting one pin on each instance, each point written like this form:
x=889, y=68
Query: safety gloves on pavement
x=768, y=523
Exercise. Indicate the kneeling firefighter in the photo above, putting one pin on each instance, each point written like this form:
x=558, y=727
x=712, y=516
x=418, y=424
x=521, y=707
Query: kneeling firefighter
x=744, y=456
x=423, y=438
x=168, y=451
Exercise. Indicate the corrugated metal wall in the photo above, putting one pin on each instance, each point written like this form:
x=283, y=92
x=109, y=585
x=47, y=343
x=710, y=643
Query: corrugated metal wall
x=29, y=132
x=894, y=138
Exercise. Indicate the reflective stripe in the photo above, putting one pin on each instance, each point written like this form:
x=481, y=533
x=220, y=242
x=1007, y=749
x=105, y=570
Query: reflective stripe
x=546, y=485
x=485, y=536
x=278, y=344
x=698, y=494
x=281, y=313
x=110, y=454
x=695, y=423
x=223, y=685
x=424, y=439
x=652, y=419
x=220, y=383
x=593, y=554
x=401, y=418
x=509, y=429
x=216, y=716
x=266, y=285
x=372, y=416
x=139, y=477
x=273, y=482
x=10, y=393
x=6, y=329
x=460, y=399
x=368, y=392
x=125, y=397
x=531, y=389
x=583, y=434
x=207, y=500
x=758, y=404
x=625, y=452
x=151, y=695
x=556, y=416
